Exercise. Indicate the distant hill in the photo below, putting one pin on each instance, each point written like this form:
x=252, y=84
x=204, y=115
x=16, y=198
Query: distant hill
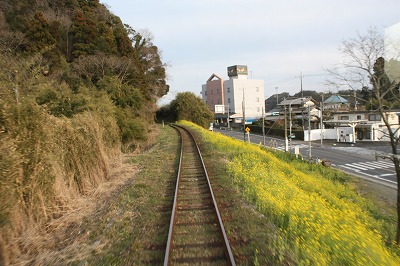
x=361, y=95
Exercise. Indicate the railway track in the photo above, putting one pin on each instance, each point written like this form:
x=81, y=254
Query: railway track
x=196, y=232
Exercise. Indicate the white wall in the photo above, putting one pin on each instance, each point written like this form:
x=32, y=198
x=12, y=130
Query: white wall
x=253, y=95
x=381, y=133
x=330, y=133
x=316, y=134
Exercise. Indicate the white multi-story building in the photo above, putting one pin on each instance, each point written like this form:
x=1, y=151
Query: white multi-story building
x=236, y=92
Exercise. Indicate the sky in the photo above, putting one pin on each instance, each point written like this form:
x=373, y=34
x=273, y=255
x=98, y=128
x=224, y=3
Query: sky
x=280, y=41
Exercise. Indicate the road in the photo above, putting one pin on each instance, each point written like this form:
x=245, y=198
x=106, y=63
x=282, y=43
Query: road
x=356, y=159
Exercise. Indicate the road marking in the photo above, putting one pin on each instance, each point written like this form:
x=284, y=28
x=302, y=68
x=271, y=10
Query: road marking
x=368, y=165
x=373, y=176
x=350, y=168
x=380, y=164
x=387, y=175
x=354, y=165
x=377, y=177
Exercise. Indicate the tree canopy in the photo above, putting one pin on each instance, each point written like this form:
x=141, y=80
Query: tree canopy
x=187, y=106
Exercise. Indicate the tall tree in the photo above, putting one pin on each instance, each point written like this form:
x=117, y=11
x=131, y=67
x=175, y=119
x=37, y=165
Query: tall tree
x=149, y=72
x=39, y=33
x=364, y=68
x=84, y=33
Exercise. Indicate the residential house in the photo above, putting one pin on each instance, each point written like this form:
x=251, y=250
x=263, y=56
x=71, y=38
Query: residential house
x=336, y=103
x=298, y=109
x=363, y=125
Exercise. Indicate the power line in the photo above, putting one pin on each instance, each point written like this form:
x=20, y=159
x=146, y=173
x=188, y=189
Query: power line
x=295, y=77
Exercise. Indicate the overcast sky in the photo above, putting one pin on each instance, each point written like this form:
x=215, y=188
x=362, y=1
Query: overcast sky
x=277, y=40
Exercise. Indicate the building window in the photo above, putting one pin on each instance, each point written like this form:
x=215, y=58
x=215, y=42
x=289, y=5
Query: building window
x=205, y=93
x=217, y=91
x=257, y=89
x=212, y=102
x=374, y=117
x=258, y=109
x=211, y=91
x=229, y=90
x=258, y=99
x=229, y=100
x=344, y=117
x=358, y=117
x=218, y=101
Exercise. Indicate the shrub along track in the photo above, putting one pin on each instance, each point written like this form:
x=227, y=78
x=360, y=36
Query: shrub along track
x=197, y=234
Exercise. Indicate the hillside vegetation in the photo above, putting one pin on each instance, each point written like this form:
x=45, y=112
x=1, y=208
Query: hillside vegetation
x=320, y=218
x=77, y=87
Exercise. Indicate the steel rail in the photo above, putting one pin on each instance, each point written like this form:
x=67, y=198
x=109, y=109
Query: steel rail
x=172, y=222
x=228, y=251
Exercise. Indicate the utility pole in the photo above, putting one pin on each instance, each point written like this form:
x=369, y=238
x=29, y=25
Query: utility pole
x=302, y=98
x=355, y=101
x=227, y=120
x=290, y=128
x=301, y=84
x=263, y=125
x=244, y=118
x=286, y=139
x=321, y=118
x=277, y=100
x=309, y=134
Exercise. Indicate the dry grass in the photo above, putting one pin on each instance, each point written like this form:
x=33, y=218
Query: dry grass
x=61, y=239
x=48, y=167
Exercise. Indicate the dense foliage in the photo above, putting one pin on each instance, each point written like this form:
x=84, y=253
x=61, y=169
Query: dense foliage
x=76, y=87
x=186, y=106
x=80, y=43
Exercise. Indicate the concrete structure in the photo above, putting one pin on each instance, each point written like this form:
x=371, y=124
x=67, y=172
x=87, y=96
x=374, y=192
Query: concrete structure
x=235, y=92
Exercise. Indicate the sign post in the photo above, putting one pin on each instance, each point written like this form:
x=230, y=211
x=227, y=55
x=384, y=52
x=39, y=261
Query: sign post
x=248, y=134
